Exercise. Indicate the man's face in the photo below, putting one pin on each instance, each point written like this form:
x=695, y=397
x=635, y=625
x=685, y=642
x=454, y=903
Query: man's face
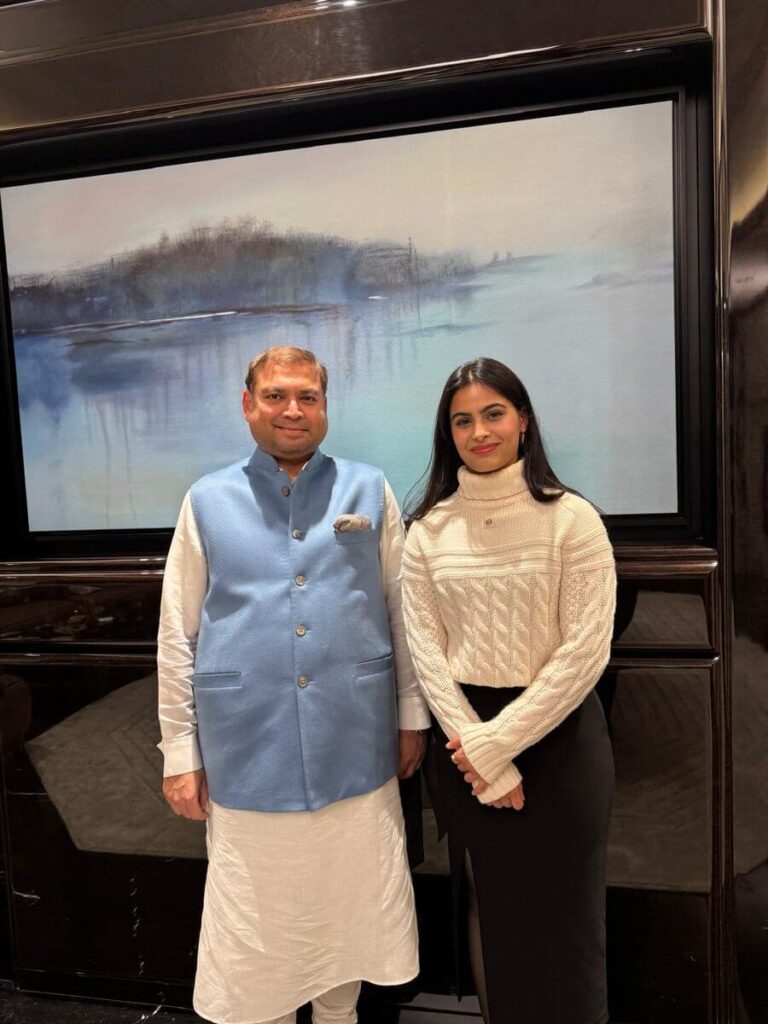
x=286, y=412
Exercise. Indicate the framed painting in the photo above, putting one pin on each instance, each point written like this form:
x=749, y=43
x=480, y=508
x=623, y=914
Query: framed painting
x=553, y=239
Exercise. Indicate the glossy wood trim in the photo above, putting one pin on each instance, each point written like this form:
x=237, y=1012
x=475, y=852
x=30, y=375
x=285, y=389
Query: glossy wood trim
x=85, y=575
x=85, y=26
x=722, y=945
x=129, y=652
x=29, y=652
x=306, y=47
x=76, y=652
x=106, y=659
x=632, y=559
x=665, y=570
x=639, y=561
x=662, y=661
x=139, y=567
x=709, y=16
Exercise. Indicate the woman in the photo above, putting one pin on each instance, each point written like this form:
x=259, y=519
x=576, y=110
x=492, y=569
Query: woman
x=509, y=591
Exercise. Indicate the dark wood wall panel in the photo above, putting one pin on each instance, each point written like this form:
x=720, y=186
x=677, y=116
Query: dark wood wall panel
x=104, y=879
x=665, y=600
x=66, y=606
x=746, y=245
x=69, y=61
x=94, y=851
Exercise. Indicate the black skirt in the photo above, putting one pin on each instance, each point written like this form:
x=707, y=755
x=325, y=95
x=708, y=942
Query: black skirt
x=539, y=873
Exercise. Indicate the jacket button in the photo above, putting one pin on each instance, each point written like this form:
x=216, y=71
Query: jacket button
x=300, y=581
x=285, y=490
x=297, y=534
x=301, y=630
x=303, y=681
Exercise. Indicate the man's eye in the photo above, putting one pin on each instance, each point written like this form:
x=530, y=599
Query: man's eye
x=309, y=398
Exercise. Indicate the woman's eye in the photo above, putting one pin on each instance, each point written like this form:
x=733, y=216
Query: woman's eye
x=461, y=422
x=495, y=414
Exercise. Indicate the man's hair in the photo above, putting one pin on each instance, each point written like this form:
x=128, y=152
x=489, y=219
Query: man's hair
x=285, y=355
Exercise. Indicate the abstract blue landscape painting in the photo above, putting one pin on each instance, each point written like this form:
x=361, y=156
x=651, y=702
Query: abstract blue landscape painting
x=139, y=297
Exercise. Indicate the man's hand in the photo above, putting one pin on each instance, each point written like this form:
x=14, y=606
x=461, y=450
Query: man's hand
x=187, y=794
x=413, y=746
x=514, y=798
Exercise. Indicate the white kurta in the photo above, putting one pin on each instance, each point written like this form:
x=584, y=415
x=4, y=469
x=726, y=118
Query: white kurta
x=296, y=903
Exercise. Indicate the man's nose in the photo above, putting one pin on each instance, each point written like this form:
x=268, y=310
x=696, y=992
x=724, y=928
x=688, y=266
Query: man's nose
x=293, y=410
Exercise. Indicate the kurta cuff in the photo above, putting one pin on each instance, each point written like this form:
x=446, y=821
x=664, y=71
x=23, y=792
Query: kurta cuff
x=182, y=754
x=412, y=713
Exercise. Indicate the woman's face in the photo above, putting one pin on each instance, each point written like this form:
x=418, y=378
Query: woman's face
x=486, y=428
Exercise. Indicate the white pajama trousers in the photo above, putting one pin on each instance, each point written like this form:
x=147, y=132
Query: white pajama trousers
x=301, y=906
x=335, y=1007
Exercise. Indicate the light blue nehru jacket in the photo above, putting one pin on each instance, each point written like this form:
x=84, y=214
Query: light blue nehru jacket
x=294, y=677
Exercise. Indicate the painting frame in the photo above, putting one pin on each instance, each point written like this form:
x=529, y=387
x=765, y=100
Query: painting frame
x=383, y=111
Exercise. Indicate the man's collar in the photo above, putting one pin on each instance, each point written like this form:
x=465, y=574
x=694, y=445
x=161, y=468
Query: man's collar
x=267, y=463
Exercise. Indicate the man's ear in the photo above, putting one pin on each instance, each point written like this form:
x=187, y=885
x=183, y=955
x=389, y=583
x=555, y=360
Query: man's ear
x=247, y=403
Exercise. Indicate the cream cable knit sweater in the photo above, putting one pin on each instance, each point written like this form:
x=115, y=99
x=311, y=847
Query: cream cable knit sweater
x=502, y=590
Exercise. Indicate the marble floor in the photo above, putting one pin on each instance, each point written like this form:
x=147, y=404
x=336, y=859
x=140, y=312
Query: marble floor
x=18, y=1008
x=21, y=1008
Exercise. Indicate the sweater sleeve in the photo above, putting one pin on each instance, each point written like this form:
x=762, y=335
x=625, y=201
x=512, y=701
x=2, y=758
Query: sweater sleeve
x=428, y=645
x=586, y=608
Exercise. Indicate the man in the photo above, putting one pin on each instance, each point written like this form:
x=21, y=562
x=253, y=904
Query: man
x=280, y=632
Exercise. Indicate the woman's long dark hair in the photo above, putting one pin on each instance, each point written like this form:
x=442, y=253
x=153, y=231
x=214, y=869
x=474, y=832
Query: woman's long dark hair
x=442, y=473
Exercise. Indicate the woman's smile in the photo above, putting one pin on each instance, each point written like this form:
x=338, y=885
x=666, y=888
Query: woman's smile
x=485, y=427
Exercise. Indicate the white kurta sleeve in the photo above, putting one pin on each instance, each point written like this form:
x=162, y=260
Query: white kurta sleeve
x=411, y=707
x=184, y=583
x=429, y=645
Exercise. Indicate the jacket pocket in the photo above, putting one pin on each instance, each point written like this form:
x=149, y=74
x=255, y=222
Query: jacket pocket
x=374, y=665
x=217, y=680
x=355, y=536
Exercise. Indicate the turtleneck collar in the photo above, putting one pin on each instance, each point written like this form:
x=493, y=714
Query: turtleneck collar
x=504, y=483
